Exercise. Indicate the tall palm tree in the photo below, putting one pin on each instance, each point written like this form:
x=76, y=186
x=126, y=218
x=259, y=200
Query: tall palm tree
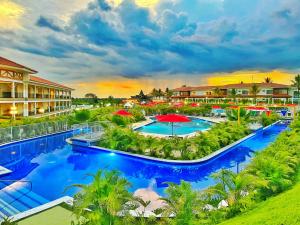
x=233, y=94
x=168, y=93
x=296, y=84
x=217, y=92
x=102, y=200
x=254, y=91
x=268, y=80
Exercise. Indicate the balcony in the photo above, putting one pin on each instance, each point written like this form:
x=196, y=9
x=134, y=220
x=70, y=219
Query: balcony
x=39, y=95
x=5, y=95
x=19, y=95
x=31, y=95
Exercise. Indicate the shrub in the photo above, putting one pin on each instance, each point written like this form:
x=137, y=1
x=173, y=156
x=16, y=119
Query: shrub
x=82, y=115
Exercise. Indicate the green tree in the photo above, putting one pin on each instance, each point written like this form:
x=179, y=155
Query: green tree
x=217, y=92
x=101, y=201
x=7, y=221
x=232, y=114
x=182, y=202
x=268, y=80
x=82, y=115
x=254, y=91
x=233, y=94
x=168, y=93
x=296, y=84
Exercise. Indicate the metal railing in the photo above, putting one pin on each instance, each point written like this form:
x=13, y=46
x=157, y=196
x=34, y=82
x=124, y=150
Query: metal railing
x=89, y=131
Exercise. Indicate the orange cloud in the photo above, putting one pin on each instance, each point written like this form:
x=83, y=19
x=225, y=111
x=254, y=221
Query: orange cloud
x=10, y=14
x=249, y=76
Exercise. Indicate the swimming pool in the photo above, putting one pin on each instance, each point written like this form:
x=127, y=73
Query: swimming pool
x=52, y=165
x=195, y=125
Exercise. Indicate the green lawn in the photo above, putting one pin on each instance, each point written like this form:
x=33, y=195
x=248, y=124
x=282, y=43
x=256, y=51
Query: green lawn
x=283, y=209
x=57, y=215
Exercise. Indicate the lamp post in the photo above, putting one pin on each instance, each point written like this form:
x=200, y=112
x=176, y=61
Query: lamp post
x=41, y=110
x=13, y=111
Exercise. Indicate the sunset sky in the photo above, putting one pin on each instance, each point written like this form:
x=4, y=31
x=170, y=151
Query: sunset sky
x=117, y=47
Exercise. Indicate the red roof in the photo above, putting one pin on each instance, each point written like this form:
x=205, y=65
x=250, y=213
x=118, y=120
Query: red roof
x=47, y=82
x=7, y=62
x=172, y=118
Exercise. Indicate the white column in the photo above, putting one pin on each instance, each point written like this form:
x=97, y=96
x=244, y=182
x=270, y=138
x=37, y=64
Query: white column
x=13, y=91
x=25, y=96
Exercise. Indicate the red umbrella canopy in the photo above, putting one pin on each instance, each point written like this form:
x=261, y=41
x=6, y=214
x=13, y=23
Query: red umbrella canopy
x=172, y=118
x=123, y=112
x=216, y=107
x=194, y=104
x=256, y=108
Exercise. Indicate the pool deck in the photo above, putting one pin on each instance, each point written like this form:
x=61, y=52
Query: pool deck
x=148, y=121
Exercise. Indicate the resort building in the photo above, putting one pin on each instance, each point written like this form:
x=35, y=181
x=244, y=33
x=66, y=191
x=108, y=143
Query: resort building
x=23, y=94
x=267, y=92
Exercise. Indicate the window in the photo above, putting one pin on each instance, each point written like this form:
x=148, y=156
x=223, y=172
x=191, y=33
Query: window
x=269, y=92
x=245, y=92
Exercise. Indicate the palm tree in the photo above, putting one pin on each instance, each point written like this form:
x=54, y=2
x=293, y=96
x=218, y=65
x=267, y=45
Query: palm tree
x=232, y=115
x=233, y=94
x=217, y=92
x=296, y=84
x=254, y=91
x=230, y=187
x=154, y=92
x=268, y=80
x=168, y=93
x=102, y=200
x=183, y=202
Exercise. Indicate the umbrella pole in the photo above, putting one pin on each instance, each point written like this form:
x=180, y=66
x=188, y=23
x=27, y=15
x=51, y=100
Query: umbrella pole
x=172, y=129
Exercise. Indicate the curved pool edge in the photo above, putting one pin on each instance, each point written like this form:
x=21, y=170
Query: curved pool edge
x=177, y=162
x=149, y=121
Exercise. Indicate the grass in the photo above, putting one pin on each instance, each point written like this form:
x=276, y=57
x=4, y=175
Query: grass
x=280, y=210
x=57, y=215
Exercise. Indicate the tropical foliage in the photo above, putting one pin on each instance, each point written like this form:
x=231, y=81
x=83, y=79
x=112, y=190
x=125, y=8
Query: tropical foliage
x=101, y=201
x=218, y=136
x=272, y=171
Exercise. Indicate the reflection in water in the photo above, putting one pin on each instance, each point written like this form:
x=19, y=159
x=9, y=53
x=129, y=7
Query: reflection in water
x=52, y=165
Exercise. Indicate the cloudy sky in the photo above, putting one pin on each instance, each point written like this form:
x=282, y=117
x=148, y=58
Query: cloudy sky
x=116, y=47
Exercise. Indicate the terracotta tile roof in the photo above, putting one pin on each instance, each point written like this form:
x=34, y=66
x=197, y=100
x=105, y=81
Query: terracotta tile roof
x=230, y=86
x=200, y=88
x=7, y=62
x=47, y=82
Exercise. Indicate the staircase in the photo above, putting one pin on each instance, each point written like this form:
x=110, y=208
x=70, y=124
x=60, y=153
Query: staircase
x=16, y=197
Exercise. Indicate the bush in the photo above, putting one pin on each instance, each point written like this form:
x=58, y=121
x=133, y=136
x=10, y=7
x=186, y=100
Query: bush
x=218, y=136
x=268, y=120
x=82, y=115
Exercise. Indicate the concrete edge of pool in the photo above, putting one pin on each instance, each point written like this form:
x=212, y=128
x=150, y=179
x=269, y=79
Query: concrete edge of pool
x=149, y=121
x=175, y=162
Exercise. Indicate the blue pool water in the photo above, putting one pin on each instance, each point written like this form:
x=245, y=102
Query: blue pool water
x=178, y=128
x=52, y=165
